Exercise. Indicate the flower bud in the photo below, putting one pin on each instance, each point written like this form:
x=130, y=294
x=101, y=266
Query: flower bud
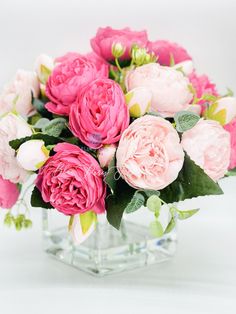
x=105, y=154
x=117, y=50
x=195, y=109
x=225, y=108
x=43, y=67
x=138, y=101
x=32, y=155
x=139, y=55
x=186, y=67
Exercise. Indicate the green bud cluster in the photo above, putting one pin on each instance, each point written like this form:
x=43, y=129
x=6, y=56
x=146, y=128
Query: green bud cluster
x=19, y=221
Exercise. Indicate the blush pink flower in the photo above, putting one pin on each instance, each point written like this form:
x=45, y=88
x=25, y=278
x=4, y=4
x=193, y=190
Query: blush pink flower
x=164, y=50
x=105, y=154
x=208, y=145
x=105, y=38
x=9, y=193
x=231, y=128
x=100, y=114
x=72, y=181
x=67, y=79
x=149, y=154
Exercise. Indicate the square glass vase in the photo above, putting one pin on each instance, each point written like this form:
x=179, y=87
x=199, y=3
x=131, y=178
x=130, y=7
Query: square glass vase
x=107, y=250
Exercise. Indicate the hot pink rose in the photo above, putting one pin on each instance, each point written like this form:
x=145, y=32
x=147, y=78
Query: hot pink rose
x=9, y=193
x=164, y=49
x=72, y=181
x=66, y=81
x=149, y=155
x=231, y=128
x=106, y=37
x=208, y=145
x=100, y=114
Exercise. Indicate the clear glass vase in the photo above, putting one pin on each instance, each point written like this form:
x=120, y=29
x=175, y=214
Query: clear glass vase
x=107, y=250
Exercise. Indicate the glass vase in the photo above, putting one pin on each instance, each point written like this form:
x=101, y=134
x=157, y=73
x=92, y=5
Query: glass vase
x=107, y=250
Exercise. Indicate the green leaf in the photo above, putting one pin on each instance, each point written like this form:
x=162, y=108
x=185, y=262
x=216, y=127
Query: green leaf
x=39, y=105
x=41, y=123
x=191, y=182
x=185, y=120
x=231, y=173
x=154, y=203
x=186, y=213
x=54, y=127
x=156, y=229
x=170, y=226
x=153, y=113
x=149, y=193
x=86, y=220
x=37, y=200
x=136, y=202
x=209, y=97
x=110, y=179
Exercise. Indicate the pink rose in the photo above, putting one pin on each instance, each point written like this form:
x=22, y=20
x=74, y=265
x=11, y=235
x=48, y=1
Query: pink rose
x=9, y=193
x=169, y=87
x=164, y=49
x=149, y=154
x=100, y=114
x=17, y=95
x=106, y=37
x=67, y=79
x=105, y=155
x=208, y=145
x=231, y=128
x=72, y=181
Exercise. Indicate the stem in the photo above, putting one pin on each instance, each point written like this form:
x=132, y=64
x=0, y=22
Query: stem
x=118, y=65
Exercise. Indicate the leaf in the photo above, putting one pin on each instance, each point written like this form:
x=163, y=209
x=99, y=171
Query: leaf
x=154, y=203
x=149, y=193
x=152, y=113
x=39, y=105
x=41, y=123
x=231, y=173
x=209, y=97
x=136, y=202
x=156, y=229
x=110, y=176
x=186, y=213
x=54, y=127
x=191, y=182
x=170, y=226
x=48, y=140
x=86, y=220
x=37, y=200
x=185, y=120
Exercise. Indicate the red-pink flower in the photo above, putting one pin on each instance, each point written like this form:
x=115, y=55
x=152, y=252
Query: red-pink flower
x=72, y=181
x=105, y=38
x=9, y=193
x=67, y=79
x=164, y=50
x=100, y=114
x=231, y=128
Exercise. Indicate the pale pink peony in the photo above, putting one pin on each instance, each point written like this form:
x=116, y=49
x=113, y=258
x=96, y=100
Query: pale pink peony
x=12, y=127
x=72, y=181
x=9, y=193
x=169, y=87
x=231, y=128
x=164, y=49
x=71, y=74
x=149, y=154
x=17, y=95
x=105, y=155
x=100, y=114
x=105, y=38
x=208, y=145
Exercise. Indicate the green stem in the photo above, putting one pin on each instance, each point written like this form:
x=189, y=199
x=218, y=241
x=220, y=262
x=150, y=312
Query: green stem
x=118, y=65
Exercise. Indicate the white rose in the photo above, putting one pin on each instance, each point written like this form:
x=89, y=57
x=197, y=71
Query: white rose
x=43, y=67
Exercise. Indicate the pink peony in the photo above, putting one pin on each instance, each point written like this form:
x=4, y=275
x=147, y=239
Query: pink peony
x=9, y=193
x=100, y=114
x=208, y=145
x=164, y=49
x=67, y=79
x=17, y=95
x=72, y=181
x=169, y=87
x=149, y=154
x=106, y=37
x=231, y=128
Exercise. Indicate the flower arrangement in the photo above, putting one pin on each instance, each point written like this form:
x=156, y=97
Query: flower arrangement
x=130, y=124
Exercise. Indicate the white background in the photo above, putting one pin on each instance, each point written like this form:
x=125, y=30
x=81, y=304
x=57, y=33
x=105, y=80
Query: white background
x=202, y=277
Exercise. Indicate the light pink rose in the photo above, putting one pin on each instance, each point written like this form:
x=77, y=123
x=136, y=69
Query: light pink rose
x=9, y=193
x=67, y=79
x=164, y=49
x=17, y=95
x=231, y=128
x=12, y=127
x=105, y=38
x=100, y=114
x=105, y=155
x=169, y=87
x=208, y=145
x=149, y=154
x=72, y=181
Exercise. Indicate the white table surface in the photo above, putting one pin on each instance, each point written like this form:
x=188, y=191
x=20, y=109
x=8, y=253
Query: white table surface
x=200, y=279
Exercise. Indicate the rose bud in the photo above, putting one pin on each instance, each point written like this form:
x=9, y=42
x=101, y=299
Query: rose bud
x=186, y=67
x=139, y=101
x=105, y=154
x=43, y=67
x=227, y=106
x=32, y=155
x=117, y=50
